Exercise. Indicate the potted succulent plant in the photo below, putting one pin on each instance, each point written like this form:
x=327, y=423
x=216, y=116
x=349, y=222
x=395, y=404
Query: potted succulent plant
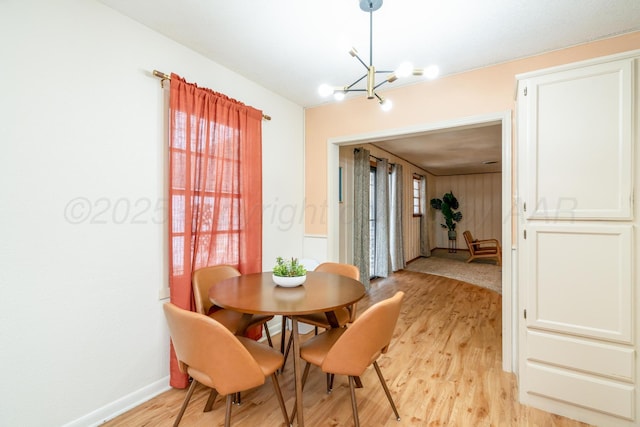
x=448, y=205
x=289, y=272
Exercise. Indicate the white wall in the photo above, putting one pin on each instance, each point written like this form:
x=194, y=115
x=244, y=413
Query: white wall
x=82, y=335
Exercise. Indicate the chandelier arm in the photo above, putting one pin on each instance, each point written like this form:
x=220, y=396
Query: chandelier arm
x=378, y=85
x=355, y=83
x=364, y=64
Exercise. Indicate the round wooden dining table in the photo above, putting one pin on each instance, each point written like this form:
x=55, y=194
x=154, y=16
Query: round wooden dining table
x=256, y=293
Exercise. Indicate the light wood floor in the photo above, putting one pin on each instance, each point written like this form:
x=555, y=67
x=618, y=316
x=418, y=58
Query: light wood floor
x=444, y=368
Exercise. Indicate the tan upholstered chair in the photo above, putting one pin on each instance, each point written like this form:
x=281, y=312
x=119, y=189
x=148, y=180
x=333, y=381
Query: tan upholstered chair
x=343, y=315
x=244, y=363
x=202, y=279
x=487, y=248
x=349, y=351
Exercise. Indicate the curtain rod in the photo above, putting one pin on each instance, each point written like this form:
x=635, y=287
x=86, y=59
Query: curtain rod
x=355, y=150
x=381, y=159
x=162, y=76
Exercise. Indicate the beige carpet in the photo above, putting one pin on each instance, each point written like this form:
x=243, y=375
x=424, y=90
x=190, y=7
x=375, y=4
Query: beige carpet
x=483, y=273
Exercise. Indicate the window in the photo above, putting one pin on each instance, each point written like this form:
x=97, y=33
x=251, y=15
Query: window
x=417, y=195
x=214, y=204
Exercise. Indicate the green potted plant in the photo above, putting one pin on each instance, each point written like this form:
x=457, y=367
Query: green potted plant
x=289, y=273
x=448, y=205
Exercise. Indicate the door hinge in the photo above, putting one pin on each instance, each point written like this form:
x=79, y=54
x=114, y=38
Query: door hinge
x=524, y=207
x=525, y=91
x=525, y=313
x=525, y=234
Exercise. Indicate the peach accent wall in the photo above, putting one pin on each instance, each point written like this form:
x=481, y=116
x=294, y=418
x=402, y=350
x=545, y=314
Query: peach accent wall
x=482, y=91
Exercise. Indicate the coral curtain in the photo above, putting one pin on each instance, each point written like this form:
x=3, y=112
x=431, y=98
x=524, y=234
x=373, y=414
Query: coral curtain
x=215, y=190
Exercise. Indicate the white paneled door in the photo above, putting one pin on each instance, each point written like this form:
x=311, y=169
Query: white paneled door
x=578, y=291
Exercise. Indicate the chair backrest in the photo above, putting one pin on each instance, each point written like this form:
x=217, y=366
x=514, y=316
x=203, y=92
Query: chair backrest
x=347, y=270
x=469, y=239
x=203, y=278
x=211, y=354
x=362, y=342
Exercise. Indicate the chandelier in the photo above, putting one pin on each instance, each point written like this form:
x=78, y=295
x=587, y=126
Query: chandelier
x=404, y=70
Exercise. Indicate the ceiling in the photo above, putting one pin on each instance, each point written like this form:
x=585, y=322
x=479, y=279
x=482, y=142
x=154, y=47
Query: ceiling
x=453, y=151
x=292, y=46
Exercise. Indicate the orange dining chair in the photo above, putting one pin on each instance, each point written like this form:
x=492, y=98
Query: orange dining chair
x=486, y=248
x=349, y=351
x=202, y=280
x=244, y=364
x=343, y=315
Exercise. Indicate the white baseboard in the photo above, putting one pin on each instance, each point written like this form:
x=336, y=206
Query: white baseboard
x=122, y=405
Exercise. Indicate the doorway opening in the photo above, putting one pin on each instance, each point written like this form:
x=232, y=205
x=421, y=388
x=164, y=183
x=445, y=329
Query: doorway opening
x=509, y=294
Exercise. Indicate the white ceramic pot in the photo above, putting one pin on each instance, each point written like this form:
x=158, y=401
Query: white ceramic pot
x=289, y=282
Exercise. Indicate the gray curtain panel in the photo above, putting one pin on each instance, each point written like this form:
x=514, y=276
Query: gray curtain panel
x=425, y=250
x=361, y=178
x=382, y=260
x=395, y=222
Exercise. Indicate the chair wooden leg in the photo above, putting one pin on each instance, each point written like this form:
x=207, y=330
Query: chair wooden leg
x=276, y=387
x=227, y=414
x=386, y=389
x=305, y=374
x=283, y=333
x=185, y=402
x=354, y=406
x=268, y=334
x=211, y=400
x=330, y=382
x=286, y=353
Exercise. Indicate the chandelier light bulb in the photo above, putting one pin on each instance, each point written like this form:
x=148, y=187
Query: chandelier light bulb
x=431, y=72
x=339, y=95
x=386, y=105
x=325, y=90
x=404, y=70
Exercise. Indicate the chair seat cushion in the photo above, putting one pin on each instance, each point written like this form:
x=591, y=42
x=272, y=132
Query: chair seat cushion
x=315, y=349
x=228, y=318
x=259, y=319
x=486, y=251
x=231, y=320
x=270, y=360
x=320, y=319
